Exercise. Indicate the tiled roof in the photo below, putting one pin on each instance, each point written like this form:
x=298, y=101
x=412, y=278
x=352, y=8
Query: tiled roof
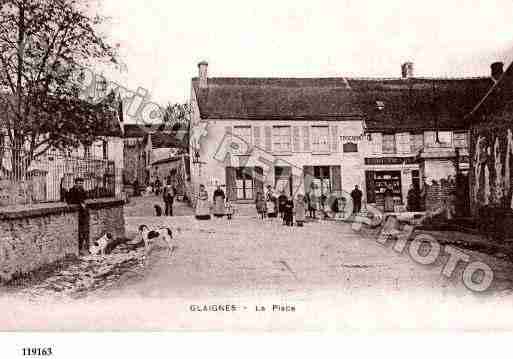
x=271, y=98
x=418, y=103
x=170, y=139
x=404, y=104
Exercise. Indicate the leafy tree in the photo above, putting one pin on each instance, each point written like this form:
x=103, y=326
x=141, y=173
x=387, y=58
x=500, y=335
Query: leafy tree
x=45, y=46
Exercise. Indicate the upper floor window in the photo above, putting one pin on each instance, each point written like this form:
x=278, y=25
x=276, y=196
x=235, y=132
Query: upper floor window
x=350, y=147
x=388, y=143
x=403, y=142
x=417, y=141
x=281, y=139
x=460, y=140
x=242, y=133
x=444, y=137
x=320, y=139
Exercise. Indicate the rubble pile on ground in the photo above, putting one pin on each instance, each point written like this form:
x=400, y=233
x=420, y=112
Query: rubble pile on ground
x=88, y=274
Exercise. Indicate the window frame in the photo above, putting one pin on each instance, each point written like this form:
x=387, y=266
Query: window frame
x=316, y=139
x=386, y=150
x=282, y=142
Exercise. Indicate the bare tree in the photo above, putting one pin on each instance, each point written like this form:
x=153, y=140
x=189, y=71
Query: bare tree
x=45, y=45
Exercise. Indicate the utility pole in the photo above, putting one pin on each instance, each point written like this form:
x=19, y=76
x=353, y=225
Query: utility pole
x=435, y=114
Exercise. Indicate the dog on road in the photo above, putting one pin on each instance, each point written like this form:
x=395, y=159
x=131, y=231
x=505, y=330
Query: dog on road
x=149, y=236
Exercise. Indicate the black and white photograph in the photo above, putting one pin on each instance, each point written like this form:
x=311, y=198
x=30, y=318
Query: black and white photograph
x=266, y=166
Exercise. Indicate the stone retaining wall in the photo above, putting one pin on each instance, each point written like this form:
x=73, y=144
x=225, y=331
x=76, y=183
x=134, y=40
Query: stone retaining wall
x=106, y=215
x=32, y=236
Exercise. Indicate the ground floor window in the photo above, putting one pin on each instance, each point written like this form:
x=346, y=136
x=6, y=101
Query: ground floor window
x=242, y=183
x=377, y=183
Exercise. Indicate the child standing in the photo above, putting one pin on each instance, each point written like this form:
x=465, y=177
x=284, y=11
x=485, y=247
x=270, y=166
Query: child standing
x=300, y=210
x=228, y=209
x=260, y=204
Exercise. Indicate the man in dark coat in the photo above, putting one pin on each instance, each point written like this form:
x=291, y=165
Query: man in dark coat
x=356, y=195
x=169, y=198
x=282, y=199
x=77, y=195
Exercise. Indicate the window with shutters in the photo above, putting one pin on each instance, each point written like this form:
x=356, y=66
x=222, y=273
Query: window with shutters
x=388, y=143
x=403, y=142
x=281, y=139
x=417, y=141
x=376, y=143
x=242, y=133
x=445, y=138
x=320, y=139
x=460, y=140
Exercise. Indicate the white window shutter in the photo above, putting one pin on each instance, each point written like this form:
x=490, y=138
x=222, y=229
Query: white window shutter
x=296, y=139
x=256, y=136
x=306, y=139
x=268, y=138
x=334, y=138
x=377, y=141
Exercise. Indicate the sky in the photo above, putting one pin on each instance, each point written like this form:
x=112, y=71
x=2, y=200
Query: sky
x=161, y=41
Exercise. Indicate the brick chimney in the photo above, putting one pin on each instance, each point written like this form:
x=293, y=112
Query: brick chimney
x=203, y=74
x=497, y=70
x=407, y=70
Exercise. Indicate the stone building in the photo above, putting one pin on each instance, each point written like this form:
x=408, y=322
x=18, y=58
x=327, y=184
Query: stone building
x=333, y=132
x=283, y=132
x=491, y=146
x=403, y=118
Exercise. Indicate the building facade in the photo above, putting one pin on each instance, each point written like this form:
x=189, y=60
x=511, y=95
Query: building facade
x=334, y=133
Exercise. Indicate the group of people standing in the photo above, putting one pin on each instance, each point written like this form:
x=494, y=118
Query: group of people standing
x=271, y=205
x=221, y=205
x=283, y=206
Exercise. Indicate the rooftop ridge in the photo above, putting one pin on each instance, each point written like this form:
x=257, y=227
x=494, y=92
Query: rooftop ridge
x=342, y=78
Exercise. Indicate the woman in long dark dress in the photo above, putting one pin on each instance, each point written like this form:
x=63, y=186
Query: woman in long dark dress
x=218, y=200
x=288, y=213
x=282, y=199
x=389, y=199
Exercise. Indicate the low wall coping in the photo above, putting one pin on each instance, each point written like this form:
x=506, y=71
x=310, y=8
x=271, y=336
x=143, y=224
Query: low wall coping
x=100, y=203
x=45, y=209
x=36, y=210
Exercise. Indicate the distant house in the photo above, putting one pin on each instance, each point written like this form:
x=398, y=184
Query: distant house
x=162, y=146
x=100, y=163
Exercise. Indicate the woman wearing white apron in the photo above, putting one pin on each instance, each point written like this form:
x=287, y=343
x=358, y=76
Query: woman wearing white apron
x=271, y=203
x=202, y=205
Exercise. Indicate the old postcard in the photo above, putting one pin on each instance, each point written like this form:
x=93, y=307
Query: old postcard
x=267, y=166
